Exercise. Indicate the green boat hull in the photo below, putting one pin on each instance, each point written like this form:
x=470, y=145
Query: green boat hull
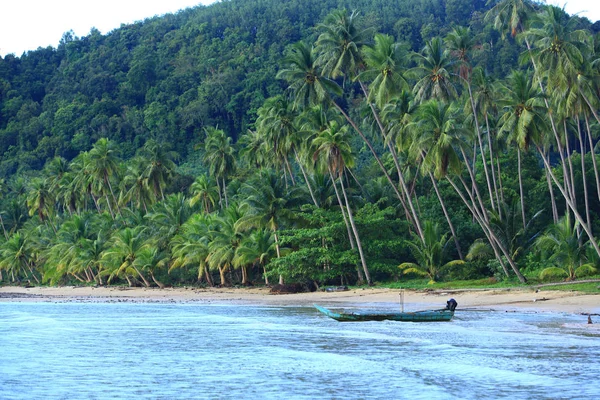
x=417, y=316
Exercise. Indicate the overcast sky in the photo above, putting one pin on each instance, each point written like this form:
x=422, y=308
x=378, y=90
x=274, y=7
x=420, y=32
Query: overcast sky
x=29, y=24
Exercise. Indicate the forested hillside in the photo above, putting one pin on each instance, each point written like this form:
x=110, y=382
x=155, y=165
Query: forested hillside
x=324, y=141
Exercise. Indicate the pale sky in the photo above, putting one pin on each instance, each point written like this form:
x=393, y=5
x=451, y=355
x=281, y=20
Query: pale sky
x=28, y=24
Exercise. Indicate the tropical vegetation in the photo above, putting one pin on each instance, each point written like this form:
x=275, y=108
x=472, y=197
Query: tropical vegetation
x=331, y=142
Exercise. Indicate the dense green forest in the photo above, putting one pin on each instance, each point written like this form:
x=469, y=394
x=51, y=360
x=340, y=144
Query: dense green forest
x=329, y=142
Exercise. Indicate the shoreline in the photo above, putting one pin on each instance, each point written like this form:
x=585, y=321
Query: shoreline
x=495, y=299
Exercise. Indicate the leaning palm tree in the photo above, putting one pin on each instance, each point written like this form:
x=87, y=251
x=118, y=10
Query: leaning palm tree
x=334, y=154
x=429, y=254
x=436, y=132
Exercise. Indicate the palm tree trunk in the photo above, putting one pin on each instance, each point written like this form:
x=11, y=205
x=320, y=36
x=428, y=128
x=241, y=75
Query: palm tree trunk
x=222, y=271
x=278, y=251
x=552, y=199
x=158, y=283
x=207, y=275
x=489, y=139
x=220, y=196
x=339, y=199
x=312, y=194
x=593, y=154
x=583, y=177
x=570, y=164
x=382, y=167
x=521, y=186
x=3, y=228
x=478, y=131
x=570, y=203
x=450, y=224
x=357, y=237
x=500, y=186
x=289, y=168
x=390, y=146
x=488, y=231
x=225, y=193
x=146, y=283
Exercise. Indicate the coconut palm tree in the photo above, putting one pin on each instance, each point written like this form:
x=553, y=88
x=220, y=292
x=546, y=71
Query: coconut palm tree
x=135, y=186
x=204, y=191
x=566, y=251
x=257, y=249
x=119, y=258
x=429, y=254
x=40, y=199
x=510, y=15
x=384, y=62
x=522, y=119
x=190, y=246
x=306, y=83
x=436, y=132
x=334, y=153
x=433, y=73
x=219, y=158
x=160, y=165
x=268, y=204
x=339, y=44
x=226, y=237
x=103, y=165
x=16, y=257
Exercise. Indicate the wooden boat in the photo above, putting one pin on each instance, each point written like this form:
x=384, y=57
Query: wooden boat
x=444, y=314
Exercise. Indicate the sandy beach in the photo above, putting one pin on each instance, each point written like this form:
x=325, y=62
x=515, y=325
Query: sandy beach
x=499, y=300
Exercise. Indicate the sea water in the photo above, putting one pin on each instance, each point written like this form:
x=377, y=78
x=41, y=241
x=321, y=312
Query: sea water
x=198, y=351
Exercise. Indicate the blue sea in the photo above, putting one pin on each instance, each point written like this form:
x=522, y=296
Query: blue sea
x=198, y=351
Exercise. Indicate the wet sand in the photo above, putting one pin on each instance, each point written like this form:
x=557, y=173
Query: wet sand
x=500, y=300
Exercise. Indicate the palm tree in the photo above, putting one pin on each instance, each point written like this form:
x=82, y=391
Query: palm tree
x=429, y=254
x=16, y=257
x=3, y=189
x=219, y=158
x=40, y=199
x=150, y=259
x=160, y=165
x=567, y=252
x=308, y=86
x=509, y=15
x=103, y=165
x=522, y=120
x=135, y=186
x=190, y=246
x=119, y=258
x=268, y=204
x=168, y=216
x=436, y=133
x=226, y=237
x=433, y=73
x=384, y=61
x=203, y=191
x=256, y=249
x=334, y=153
